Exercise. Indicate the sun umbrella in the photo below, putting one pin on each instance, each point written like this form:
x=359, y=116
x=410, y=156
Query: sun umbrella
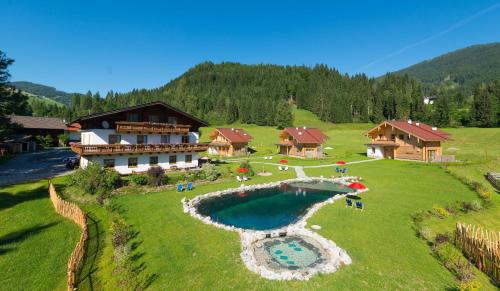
x=340, y=163
x=242, y=170
x=283, y=162
x=242, y=194
x=357, y=185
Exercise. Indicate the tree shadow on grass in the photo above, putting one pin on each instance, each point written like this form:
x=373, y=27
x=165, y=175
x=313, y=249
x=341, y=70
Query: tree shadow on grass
x=21, y=235
x=8, y=200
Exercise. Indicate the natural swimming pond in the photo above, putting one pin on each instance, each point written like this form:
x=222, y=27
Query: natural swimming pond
x=269, y=208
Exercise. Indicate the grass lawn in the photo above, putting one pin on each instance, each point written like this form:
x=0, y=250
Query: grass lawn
x=186, y=254
x=35, y=241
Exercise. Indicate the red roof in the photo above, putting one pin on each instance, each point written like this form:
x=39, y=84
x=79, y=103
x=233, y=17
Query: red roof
x=75, y=126
x=422, y=130
x=235, y=135
x=306, y=135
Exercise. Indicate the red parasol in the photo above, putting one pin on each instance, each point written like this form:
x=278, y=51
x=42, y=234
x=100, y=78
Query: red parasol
x=357, y=185
x=283, y=162
x=242, y=194
x=340, y=163
x=242, y=170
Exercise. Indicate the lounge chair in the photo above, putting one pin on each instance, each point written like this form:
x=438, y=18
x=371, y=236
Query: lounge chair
x=344, y=170
x=337, y=169
x=280, y=168
x=359, y=205
x=239, y=179
x=270, y=158
x=265, y=158
x=286, y=168
x=348, y=202
x=245, y=178
x=189, y=186
x=180, y=187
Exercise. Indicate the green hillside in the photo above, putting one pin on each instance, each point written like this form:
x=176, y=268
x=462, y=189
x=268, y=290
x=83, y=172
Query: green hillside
x=43, y=90
x=465, y=67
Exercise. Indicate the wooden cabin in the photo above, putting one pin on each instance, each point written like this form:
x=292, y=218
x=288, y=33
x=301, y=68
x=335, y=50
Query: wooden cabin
x=301, y=142
x=407, y=140
x=229, y=142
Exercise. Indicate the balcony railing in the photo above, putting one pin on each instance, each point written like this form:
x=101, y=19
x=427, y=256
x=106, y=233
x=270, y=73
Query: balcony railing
x=85, y=150
x=151, y=127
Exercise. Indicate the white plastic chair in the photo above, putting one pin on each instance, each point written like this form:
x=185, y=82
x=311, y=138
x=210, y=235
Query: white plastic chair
x=239, y=179
x=286, y=168
x=245, y=178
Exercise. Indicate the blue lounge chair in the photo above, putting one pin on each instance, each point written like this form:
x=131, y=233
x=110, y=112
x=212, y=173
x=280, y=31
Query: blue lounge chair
x=348, y=202
x=180, y=187
x=189, y=186
x=359, y=205
x=337, y=169
x=344, y=170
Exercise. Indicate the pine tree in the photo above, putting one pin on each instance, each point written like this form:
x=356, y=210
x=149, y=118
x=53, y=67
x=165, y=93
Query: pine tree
x=483, y=110
x=284, y=117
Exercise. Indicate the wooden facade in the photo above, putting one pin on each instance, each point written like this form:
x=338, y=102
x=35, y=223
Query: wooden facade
x=405, y=140
x=229, y=142
x=301, y=142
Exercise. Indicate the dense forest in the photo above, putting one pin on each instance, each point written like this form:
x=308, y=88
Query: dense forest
x=43, y=90
x=465, y=69
x=262, y=94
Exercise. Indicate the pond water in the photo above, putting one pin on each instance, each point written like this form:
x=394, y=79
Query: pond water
x=269, y=208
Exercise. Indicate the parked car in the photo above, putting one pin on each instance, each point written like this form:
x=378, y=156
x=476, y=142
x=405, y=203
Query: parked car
x=72, y=162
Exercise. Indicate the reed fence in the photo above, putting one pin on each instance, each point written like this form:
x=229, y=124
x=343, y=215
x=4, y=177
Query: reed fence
x=482, y=247
x=73, y=212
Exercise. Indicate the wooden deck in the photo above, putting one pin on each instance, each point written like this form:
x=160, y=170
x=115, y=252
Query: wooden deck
x=150, y=127
x=85, y=150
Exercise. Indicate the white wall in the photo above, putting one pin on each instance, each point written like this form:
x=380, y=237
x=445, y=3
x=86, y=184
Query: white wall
x=379, y=151
x=100, y=136
x=121, y=161
x=212, y=150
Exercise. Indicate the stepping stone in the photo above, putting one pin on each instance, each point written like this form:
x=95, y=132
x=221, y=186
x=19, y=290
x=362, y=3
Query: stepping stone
x=284, y=257
x=298, y=249
x=278, y=252
x=291, y=262
x=292, y=245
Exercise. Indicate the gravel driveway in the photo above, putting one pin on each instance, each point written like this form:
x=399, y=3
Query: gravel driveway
x=34, y=166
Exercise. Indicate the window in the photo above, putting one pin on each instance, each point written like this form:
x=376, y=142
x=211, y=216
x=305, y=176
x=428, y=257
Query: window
x=185, y=139
x=142, y=139
x=165, y=138
x=172, y=159
x=153, y=161
x=132, y=162
x=172, y=120
x=109, y=163
x=134, y=117
x=189, y=158
x=401, y=137
x=114, y=138
x=380, y=136
x=393, y=136
x=373, y=150
x=154, y=118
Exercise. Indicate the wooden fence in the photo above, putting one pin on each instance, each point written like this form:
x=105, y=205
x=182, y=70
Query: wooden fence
x=73, y=212
x=482, y=247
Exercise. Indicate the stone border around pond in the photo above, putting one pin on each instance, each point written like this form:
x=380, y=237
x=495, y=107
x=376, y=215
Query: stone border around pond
x=336, y=256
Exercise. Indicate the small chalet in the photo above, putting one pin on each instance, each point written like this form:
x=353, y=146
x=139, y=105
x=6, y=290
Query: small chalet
x=302, y=142
x=229, y=142
x=409, y=140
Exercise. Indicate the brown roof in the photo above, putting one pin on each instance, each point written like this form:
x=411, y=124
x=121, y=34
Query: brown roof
x=235, y=135
x=38, y=122
x=422, y=130
x=306, y=135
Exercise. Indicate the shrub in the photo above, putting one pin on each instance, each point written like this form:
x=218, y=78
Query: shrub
x=174, y=178
x=472, y=285
x=245, y=164
x=120, y=236
x=424, y=233
x=155, y=176
x=63, y=139
x=441, y=238
x=45, y=141
x=95, y=180
x=440, y=211
x=454, y=261
x=139, y=179
x=484, y=193
x=210, y=171
x=471, y=206
x=476, y=205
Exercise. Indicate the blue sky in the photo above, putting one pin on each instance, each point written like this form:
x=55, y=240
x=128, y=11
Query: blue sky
x=77, y=46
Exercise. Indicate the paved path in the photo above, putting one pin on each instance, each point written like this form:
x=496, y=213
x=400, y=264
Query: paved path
x=318, y=166
x=299, y=170
x=33, y=166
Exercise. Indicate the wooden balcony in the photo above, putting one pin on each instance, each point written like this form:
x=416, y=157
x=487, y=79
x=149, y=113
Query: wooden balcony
x=87, y=150
x=151, y=127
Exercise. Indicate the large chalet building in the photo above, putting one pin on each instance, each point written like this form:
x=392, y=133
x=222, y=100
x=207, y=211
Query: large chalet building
x=229, y=142
x=301, y=142
x=135, y=138
x=408, y=140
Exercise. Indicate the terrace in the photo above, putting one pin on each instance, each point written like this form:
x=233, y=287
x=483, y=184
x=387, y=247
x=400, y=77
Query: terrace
x=85, y=150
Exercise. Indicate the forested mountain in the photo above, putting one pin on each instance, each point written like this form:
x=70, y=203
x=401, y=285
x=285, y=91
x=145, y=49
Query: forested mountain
x=43, y=91
x=467, y=68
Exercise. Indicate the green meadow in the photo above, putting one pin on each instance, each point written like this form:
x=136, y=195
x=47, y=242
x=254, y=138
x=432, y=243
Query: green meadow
x=173, y=251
